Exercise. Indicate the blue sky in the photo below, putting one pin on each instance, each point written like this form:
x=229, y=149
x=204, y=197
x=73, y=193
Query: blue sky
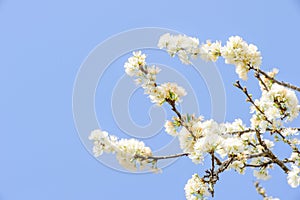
x=44, y=43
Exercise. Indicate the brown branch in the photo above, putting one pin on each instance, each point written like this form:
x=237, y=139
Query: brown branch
x=271, y=154
x=171, y=103
x=155, y=158
x=261, y=81
x=288, y=85
x=249, y=99
x=260, y=190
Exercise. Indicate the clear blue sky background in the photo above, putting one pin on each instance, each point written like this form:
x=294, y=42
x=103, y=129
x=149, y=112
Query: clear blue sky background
x=42, y=45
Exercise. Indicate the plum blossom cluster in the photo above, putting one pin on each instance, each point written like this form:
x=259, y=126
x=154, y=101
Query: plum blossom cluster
x=236, y=51
x=126, y=150
x=185, y=47
x=294, y=176
x=275, y=104
x=146, y=77
x=229, y=146
x=196, y=188
x=242, y=55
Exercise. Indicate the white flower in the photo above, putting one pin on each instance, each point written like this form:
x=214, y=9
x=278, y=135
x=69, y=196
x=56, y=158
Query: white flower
x=289, y=132
x=209, y=139
x=232, y=145
x=294, y=177
x=170, y=128
x=277, y=103
x=295, y=157
x=235, y=126
x=186, y=47
x=267, y=82
x=127, y=149
x=166, y=91
x=196, y=189
x=242, y=71
x=186, y=140
x=210, y=51
x=262, y=174
x=238, y=166
x=102, y=142
x=132, y=66
x=164, y=40
x=239, y=53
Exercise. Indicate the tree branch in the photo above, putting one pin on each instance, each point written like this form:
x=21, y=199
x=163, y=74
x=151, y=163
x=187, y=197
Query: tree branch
x=288, y=85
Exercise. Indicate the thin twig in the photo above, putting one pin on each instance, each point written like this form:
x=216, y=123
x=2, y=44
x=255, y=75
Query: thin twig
x=285, y=84
x=160, y=157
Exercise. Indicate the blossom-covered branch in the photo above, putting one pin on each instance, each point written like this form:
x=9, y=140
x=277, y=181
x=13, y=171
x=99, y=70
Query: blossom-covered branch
x=230, y=146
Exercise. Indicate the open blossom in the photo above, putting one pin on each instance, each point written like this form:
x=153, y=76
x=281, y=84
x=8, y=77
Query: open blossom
x=185, y=47
x=235, y=126
x=294, y=176
x=171, y=128
x=196, y=189
x=210, y=51
x=238, y=166
x=277, y=103
x=262, y=174
x=209, y=140
x=167, y=91
x=229, y=145
x=186, y=140
x=232, y=146
x=296, y=158
x=125, y=149
x=267, y=82
x=211, y=137
x=240, y=54
x=102, y=142
x=146, y=77
x=132, y=66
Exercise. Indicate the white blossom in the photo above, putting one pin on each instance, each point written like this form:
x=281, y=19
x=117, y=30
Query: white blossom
x=267, y=82
x=185, y=47
x=240, y=54
x=125, y=149
x=102, y=142
x=238, y=166
x=170, y=128
x=186, y=140
x=262, y=174
x=196, y=189
x=295, y=157
x=210, y=51
x=167, y=91
x=289, y=132
x=132, y=66
x=277, y=103
x=294, y=176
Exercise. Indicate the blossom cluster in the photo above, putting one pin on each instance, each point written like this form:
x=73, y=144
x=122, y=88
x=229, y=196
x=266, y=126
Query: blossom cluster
x=242, y=55
x=146, y=77
x=229, y=145
x=128, y=151
x=196, y=188
x=185, y=47
x=236, y=51
x=274, y=105
x=294, y=176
